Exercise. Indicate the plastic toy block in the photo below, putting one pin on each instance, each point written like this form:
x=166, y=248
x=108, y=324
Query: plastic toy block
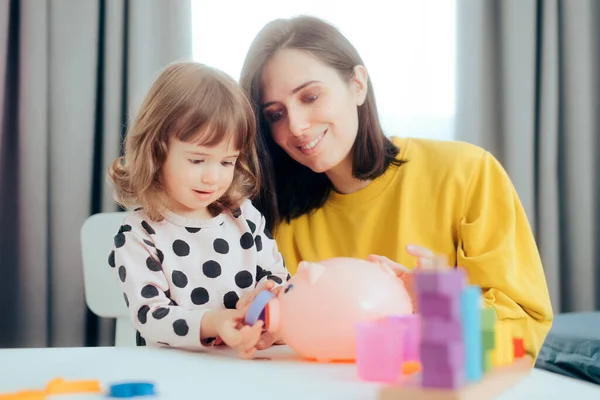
x=488, y=319
x=60, y=386
x=471, y=332
x=490, y=386
x=444, y=378
x=488, y=340
x=487, y=361
x=131, y=389
x=519, y=348
x=412, y=335
x=24, y=395
x=446, y=281
x=442, y=355
x=440, y=330
x=503, y=353
x=431, y=305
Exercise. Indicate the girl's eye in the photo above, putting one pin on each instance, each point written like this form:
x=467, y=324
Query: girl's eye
x=228, y=163
x=195, y=161
x=290, y=287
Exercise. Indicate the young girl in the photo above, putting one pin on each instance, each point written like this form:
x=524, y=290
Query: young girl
x=195, y=244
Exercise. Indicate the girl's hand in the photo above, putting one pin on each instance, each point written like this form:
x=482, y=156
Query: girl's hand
x=424, y=259
x=247, y=299
x=230, y=329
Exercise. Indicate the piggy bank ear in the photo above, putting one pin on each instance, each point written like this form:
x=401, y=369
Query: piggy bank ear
x=312, y=270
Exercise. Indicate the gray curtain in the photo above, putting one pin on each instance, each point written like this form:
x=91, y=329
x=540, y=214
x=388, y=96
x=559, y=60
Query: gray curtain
x=72, y=73
x=528, y=90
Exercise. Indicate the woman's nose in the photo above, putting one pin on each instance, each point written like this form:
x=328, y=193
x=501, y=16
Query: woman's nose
x=298, y=122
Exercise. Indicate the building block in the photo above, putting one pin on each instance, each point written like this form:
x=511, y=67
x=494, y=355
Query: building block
x=412, y=335
x=442, y=355
x=445, y=281
x=519, y=348
x=441, y=330
x=503, y=353
x=488, y=319
x=433, y=305
x=443, y=378
x=471, y=332
x=488, y=340
x=491, y=386
x=487, y=361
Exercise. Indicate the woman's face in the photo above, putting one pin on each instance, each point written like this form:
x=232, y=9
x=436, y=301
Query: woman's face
x=312, y=112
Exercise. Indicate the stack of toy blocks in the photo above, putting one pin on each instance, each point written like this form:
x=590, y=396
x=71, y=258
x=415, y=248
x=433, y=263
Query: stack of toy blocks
x=442, y=345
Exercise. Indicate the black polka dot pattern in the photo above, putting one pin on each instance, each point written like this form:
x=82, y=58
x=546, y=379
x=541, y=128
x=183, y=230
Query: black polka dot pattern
x=244, y=279
x=168, y=294
x=199, y=296
x=149, y=291
x=148, y=228
x=275, y=278
x=139, y=340
x=288, y=277
x=126, y=299
x=119, y=240
x=122, y=273
x=180, y=327
x=252, y=225
x=211, y=269
x=181, y=248
x=149, y=243
x=152, y=264
x=246, y=241
x=192, y=230
x=268, y=234
x=111, y=259
x=125, y=228
x=160, y=312
x=261, y=273
x=142, y=314
x=179, y=279
x=258, y=242
x=160, y=255
x=230, y=300
x=221, y=246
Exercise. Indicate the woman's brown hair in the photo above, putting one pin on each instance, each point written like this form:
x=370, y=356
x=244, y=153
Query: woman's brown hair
x=193, y=103
x=290, y=189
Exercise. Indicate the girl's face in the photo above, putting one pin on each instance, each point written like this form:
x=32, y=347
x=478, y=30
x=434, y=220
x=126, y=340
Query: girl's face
x=196, y=176
x=312, y=112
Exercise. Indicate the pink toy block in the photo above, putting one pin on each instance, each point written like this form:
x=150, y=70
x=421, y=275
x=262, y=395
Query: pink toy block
x=448, y=281
x=433, y=305
x=443, y=378
x=440, y=330
x=442, y=355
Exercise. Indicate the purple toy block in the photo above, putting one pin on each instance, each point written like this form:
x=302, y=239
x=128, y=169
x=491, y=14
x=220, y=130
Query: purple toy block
x=446, y=281
x=442, y=355
x=442, y=378
x=441, y=330
x=432, y=305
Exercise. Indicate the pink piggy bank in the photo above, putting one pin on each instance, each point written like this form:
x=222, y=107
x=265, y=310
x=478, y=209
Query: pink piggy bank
x=317, y=310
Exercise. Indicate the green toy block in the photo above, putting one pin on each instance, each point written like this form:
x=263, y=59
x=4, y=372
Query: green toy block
x=488, y=340
x=487, y=361
x=488, y=319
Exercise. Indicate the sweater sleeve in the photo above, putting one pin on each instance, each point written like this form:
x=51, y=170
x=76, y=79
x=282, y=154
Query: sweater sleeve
x=270, y=262
x=157, y=318
x=497, y=248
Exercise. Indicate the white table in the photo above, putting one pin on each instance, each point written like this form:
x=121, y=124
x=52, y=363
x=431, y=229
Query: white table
x=220, y=375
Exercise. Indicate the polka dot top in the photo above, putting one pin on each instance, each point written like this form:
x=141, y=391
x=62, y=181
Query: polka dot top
x=174, y=271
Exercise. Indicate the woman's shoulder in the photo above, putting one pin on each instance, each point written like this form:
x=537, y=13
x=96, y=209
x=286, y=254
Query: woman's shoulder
x=443, y=153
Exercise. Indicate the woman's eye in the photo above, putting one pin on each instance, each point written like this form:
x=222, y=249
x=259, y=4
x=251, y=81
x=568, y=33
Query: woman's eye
x=311, y=99
x=274, y=116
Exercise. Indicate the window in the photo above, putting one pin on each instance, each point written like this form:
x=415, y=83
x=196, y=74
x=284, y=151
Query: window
x=408, y=47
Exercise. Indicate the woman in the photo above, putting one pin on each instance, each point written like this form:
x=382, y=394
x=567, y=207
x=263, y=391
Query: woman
x=335, y=185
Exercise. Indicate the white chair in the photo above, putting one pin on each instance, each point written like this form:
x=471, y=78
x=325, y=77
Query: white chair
x=102, y=293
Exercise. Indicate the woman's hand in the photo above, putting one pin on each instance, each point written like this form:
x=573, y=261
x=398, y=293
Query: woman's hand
x=424, y=259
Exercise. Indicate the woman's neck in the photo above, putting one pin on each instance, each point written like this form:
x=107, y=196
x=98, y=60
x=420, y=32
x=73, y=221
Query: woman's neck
x=342, y=179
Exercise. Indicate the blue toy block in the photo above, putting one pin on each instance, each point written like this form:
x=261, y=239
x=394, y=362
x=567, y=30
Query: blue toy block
x=471, y=323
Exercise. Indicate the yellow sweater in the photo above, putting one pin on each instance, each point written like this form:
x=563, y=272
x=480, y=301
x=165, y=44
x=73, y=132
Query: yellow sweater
x=453, y=198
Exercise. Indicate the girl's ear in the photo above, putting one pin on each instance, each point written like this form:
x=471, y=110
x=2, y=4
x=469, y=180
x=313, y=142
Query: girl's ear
x=360, y=82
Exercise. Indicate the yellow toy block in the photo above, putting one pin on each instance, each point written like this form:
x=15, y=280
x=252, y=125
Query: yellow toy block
x=504, y=353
